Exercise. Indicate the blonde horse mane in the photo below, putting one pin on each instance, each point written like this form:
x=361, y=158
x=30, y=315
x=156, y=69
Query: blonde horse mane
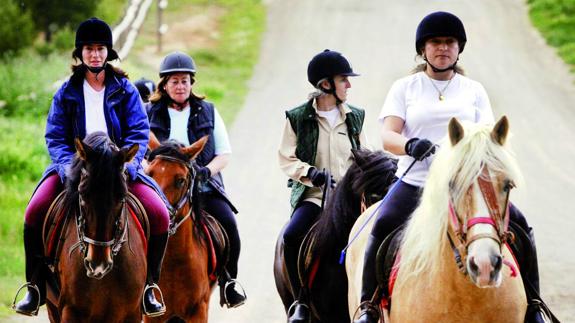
x=452, y=172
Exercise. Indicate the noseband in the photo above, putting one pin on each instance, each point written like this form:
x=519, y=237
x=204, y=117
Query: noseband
x=120, y=232
x=458, y=232
x=186, y=193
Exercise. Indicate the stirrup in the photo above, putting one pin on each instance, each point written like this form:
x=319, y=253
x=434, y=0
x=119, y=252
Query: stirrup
x=291, y=309
x=367, y=307
x=243, y=293
x=162, y=310
x=35, y=288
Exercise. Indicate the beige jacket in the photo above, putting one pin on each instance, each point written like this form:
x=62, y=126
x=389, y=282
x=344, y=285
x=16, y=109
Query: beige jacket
x=333, y=152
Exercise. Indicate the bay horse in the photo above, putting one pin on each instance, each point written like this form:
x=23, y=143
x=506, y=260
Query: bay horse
x=185, y=280
x=454, y=261
x=102, y=261
x=365, y=182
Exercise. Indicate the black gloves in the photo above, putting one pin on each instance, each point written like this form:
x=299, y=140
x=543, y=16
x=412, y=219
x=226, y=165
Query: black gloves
x=204, y=173
x=419, y=148
x=318, y=178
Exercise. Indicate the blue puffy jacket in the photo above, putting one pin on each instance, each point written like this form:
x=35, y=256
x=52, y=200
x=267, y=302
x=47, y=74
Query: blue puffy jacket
x=126, y=120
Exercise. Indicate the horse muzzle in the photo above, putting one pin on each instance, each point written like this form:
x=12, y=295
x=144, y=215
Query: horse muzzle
x=98, y=264
x=485, y=272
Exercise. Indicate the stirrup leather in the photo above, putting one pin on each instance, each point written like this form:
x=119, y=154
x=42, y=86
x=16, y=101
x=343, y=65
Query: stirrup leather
x=35, y=288
x=146, y=311
x=225, y=289
x=367, y=307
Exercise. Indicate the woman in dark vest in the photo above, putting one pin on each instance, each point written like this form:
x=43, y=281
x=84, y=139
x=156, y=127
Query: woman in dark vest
x=97, y=97
x=177, y=113
x=317, y=140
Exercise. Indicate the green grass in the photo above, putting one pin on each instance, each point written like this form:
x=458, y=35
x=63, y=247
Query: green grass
x=555, y=19
x=27, y=84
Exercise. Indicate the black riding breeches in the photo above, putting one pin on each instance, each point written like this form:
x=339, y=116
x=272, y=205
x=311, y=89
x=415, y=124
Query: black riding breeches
x=302, y=219
x=217, y=207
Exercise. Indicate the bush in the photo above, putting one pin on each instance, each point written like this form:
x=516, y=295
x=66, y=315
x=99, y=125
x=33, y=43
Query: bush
x=16, y=28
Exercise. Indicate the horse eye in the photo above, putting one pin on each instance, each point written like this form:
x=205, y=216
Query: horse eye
x=509, y=184
x=180, y=182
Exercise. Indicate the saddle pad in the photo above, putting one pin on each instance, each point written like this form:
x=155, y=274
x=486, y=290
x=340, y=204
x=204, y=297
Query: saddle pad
x=53, y=226
x=218, y=244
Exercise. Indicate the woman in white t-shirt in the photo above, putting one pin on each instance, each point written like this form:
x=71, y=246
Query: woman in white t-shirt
x=414, y=117
x=177, y=113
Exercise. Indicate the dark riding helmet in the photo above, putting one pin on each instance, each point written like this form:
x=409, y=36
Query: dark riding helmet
x=145, y=88
x=328, y=64
x=94, y=31
x=177, y=62
x=440, y=24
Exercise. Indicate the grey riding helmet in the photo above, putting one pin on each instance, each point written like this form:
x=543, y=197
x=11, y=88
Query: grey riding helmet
x=177, y=62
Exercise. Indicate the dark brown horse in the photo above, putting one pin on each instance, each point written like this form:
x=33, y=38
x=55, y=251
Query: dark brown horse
x=102, y=261
x=365, y=182
x=185, y=279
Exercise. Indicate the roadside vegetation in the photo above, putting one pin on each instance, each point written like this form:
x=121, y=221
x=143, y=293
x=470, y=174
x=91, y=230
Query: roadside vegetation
x=555, y=19
x=29, y=76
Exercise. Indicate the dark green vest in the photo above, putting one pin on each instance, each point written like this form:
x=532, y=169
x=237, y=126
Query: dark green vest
x=304, y=124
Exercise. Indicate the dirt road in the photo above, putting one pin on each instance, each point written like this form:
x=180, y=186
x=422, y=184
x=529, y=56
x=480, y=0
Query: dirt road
x=523, y=77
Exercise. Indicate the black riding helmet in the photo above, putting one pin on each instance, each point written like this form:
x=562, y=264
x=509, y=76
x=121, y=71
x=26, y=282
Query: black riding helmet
x=145, y=88
x=177, y=62
x=440, y=24
x=94, y=31
x=328, y=64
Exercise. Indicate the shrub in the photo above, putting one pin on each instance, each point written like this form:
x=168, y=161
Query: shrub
x=16, y=28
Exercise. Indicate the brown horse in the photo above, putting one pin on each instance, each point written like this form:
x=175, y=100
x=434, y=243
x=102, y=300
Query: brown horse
x=102, y=261
x=185, y=280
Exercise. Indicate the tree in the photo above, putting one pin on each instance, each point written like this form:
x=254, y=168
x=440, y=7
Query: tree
x=51, y=15
x=16, y=27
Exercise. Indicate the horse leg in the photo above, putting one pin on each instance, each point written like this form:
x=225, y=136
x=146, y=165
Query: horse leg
x=201, y=315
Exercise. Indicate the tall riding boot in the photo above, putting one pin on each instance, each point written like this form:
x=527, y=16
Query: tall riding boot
x=156, y=248
x=231, y=292
x=35, y=273
x=369, y=309
x=533, y=314
x=299, y=310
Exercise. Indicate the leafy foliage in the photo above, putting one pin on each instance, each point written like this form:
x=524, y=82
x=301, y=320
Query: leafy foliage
x=16, y=27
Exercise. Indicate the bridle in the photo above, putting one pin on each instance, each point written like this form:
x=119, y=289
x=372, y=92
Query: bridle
x=120, y=232
x=458, y=232
x=187, y=193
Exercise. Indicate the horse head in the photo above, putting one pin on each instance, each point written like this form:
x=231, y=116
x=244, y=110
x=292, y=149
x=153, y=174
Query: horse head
x=97, y=182
x=172, y=166
x=479, y=197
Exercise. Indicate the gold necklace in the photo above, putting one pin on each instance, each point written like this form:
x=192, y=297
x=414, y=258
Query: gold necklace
x=441, y=96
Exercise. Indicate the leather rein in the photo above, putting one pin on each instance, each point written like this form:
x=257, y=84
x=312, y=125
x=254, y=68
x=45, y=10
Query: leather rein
x=458, y=232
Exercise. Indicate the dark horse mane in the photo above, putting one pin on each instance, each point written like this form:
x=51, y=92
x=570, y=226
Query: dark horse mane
x=171, y=148
x=104, y=181
x=371, y=173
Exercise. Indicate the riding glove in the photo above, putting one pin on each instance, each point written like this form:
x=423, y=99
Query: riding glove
x=204, y=173
x=318, y=178
x=419, y=148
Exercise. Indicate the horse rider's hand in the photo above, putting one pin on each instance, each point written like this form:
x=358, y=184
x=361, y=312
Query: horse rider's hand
x=419, y=148
x=316, y=177
x=204, y=173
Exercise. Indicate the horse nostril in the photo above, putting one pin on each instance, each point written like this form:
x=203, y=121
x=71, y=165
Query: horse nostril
x=472, y=265
x=497, y=262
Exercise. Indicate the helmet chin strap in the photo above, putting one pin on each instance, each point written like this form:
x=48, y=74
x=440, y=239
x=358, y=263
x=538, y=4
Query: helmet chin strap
x=331, y=91
x=182, y=105
x=95, y=70
x=441, y=70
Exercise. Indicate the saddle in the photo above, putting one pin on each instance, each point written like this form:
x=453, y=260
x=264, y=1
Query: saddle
x=308, y=263
x=218, y=245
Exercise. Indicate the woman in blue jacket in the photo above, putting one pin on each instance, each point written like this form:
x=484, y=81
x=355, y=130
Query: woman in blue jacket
x=97, y=97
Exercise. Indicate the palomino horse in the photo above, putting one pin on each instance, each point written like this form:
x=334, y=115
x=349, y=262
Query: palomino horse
x=462, y=221
x=96, y=193
x=365, y=182
x=185, y=277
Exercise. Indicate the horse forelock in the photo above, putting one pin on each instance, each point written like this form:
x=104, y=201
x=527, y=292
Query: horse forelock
x=170, y=148
x=453, y=171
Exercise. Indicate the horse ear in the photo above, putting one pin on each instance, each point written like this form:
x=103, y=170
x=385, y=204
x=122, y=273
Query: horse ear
x=153, y=143
x=500, y=131
x=455, y=130
x=196, y=148
x=82, y=149
x=129, y=153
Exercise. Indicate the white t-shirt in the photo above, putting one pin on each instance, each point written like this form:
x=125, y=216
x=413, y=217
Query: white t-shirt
x=94, y=109
x=331, y=116
x=415, y=100
x=179, y=130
